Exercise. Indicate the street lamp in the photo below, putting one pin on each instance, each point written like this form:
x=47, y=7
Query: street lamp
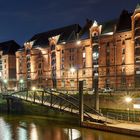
x=78, y=42
x=5, y=83
x=72, y=70
x=34, y=88
x=128, y=100
x=21, y=81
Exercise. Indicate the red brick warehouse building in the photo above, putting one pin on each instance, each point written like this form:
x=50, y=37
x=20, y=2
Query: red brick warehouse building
x=60, y=58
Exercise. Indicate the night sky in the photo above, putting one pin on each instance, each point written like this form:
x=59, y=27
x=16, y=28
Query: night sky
x=21, y=19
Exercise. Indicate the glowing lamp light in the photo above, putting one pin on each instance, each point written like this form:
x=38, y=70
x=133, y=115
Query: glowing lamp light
x=5, y=81
x=72, y=69
x=33, y=88
x=78, y=42
x=21, y=81
x=128, y=99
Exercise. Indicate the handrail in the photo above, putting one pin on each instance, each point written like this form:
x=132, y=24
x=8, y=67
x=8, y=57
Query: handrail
x=50, y=91
x=77, y=101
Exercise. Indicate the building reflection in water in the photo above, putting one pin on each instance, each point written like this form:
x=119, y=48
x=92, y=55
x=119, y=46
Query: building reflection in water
x=5, y=131
x=73, y=134
x=12, y=128
x=33, y=132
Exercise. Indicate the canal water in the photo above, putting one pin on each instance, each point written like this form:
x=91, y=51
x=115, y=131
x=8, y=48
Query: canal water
x=40, y=128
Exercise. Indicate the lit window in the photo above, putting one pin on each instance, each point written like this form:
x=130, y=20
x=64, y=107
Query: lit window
x=84, y=83
x=72, y=83
x=63, y=83
x=84, y=54
x=95, y=55
x=123, y=60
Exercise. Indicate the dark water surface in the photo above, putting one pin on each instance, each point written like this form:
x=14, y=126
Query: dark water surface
x=40, y=128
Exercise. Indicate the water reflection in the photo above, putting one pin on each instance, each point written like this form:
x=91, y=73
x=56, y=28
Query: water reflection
x=24, y=128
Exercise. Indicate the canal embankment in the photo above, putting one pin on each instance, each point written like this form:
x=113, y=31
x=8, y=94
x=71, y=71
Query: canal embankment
x=121, y=128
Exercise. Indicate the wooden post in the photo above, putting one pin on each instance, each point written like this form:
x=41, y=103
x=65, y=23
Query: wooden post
x=81, y=109
x=34, y=96
x=42, y=97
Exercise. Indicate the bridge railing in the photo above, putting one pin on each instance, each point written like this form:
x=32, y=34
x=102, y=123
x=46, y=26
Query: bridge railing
x=56, y=99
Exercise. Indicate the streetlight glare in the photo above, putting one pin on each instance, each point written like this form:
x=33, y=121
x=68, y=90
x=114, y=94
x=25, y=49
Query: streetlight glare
x=21, y=81
x=5, y=81
x=128, y=99
x=72, y=69
x=78, y=42
x=33, y=88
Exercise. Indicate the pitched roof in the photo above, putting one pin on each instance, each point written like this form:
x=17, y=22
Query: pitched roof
x=124, y=22
x=108, y=26
x=9, y=47
x=67, y=33
x=84, y=32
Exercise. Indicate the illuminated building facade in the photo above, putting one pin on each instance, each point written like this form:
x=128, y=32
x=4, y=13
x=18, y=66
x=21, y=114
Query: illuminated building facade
x=8, y=65
x=108, y=51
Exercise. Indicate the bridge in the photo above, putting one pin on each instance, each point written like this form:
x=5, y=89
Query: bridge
x=58, y=100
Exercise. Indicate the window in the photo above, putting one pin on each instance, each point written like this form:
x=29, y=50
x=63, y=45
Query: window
x=123, y=50
x=52, y=47
x=28, y=58
x=28, y=65
x=123, y=42
x=123, y=60
x=123, y=70
x=53, y=55
x=62, y=51
x=137, y=59
x=123, y=80
x=72, y=83
x=39, y=65
x=62, y=59
x=84, y=83
x=28, y=76
x=71, y=50
x=84, y=72
x=84, y=64
x=84, y=54
x=62, y=66
x=28, y=51
x=108, y=61
x=63, y=83
x=107, y=71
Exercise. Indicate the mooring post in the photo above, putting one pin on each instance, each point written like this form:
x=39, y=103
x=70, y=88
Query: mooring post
x=81, y=109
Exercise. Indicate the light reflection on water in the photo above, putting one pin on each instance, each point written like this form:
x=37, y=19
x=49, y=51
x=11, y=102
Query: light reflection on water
x=27, y=128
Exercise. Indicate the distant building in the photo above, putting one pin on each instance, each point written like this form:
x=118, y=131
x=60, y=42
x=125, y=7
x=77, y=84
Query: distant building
x=107, y=52
x=8, y=65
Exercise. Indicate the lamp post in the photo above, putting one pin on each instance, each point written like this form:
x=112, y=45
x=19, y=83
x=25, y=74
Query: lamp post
x=34, y=89
x=5, y=84
x=21, y=81
x=73, y=70
x=128, y=100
